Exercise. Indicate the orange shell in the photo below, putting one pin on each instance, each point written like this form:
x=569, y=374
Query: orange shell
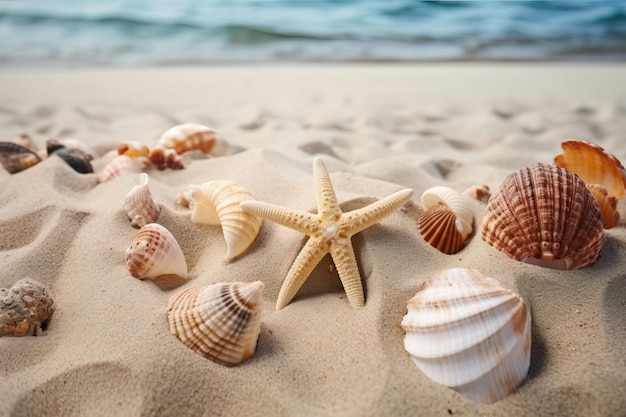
x=546, y=216
x=133, y=149
x=438, y=227
x=608, y=205
x=190, y=136
x=593, y=165
x=162, y=158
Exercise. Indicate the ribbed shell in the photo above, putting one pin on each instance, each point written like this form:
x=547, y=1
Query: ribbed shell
x=24, y=308
x=457, y=203
x=593, y=165
x=154, y=253
x=467, y=332
x=607, y=203
x=119, y=165
x=546, y=216
x=139, y=205
x=162, y=158
x=191, y=136
x=437, y=226
x=221, y=322
x=217, y=202
x=15, y=158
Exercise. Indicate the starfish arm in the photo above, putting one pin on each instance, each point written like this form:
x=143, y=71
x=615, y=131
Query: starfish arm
x=345, y=262
x=308, y=258
x=301, y=221
x=367, y=216
x=327, y=204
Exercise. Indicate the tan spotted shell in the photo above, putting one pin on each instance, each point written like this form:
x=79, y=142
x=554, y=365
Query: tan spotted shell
x=217, y=202
x=467, y=332
x=119, y=165
x=24, y=308
x=191, y=136
x=139, y=206
x=221, y=322
x=546, y=216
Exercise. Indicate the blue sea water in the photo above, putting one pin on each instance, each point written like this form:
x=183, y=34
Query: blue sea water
x=168, y=32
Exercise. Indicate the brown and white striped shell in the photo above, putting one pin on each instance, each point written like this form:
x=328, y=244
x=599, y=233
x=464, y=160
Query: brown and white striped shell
x=467, y=332
x=545, y=216
x=133, y=149
x=139, y=205
x=217, y=202
x=119, y=165
x=155, y=254
x=162, y=158
x=191, y=136
x=221, y=322
x=447, y=221
x=24, y=308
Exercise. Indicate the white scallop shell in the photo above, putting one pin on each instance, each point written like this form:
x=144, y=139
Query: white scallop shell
x=217, y=203
x=139, y=205
x=467, y=332
x=455, y=201
x=221, y=322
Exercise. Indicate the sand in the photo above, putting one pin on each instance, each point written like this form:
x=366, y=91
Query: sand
x=107, y=348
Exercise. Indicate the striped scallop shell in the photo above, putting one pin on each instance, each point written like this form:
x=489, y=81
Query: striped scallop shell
x=217, y=202
x=154, y=253
x=119, y=165
x=139, y=205
x=191, y=136
x=221, y=322
x=593, y=165
x=607, y=203
x=467, y=332
x=447, y=221
x=545, y=216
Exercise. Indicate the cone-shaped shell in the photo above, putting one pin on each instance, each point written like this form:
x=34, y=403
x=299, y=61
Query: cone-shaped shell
x=119, y=165
x=607, y=203
x=221, y=322
x=154, y=253
x=448, y=219
x=593, y=165
x=24, y=308
x=15, y=158
x=191, y=136
x=139, y=205
x=546, y=216
x=217, y=202
x=467, y=332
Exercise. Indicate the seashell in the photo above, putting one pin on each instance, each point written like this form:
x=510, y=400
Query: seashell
x=478, y=192
x=77, y=159
x=593, y=165
x=467, y=332
x=119, y=165
x=139, y=205
x=184, y=199
x=545, y=216
x=154, y=253
x=190, y=136
x=217, y=202
x=133, y=148
x=162, y=158
x=221, y=322
x=84, y=149
x=25, y=140
x=607, y=203
x=15, y=158
x=447, y=221
x=24, y=308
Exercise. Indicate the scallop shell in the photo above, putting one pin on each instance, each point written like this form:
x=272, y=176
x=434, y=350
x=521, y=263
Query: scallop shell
x=447, y=221
x=76, y=158
x=467, y=332
x=221, y=322
x=154, y=253
x=162, y=158
x=24, y=308
x=191, y=136
x=133, y=149
x=217, y=202
x=15, y=158
x=119, y=165
x=546, y=216
x=593, y=165
x=139, y=205
x=607, y=203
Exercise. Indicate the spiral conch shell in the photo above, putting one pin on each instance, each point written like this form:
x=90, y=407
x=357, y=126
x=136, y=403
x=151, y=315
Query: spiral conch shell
x=24, y=308
x=139, y=205
x=467, y=332
x=217, y=202
x=545, y=216
x=221, y=322
x=447, y=221
x=154, y=253
x=191, y=136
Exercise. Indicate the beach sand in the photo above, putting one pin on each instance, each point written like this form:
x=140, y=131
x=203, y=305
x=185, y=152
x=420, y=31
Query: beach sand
x=107, y=349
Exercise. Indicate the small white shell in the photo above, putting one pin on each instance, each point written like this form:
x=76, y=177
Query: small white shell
x=139, y=205
x=467, y=332
x=455, y=201
x=154, y=253
x=217, y=202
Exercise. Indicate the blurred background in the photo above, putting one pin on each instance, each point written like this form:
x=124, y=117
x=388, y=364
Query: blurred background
x=95, y=33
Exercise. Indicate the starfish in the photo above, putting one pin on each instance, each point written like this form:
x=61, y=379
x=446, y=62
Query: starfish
x=330, y=231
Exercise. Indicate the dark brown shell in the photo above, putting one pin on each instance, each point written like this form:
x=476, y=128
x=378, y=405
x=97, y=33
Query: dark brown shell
x=546, y=216
x=75, y=158
x=438, y=227
x=15, y=158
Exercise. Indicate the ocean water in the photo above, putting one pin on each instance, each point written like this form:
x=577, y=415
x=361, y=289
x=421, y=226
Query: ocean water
x=169, y=32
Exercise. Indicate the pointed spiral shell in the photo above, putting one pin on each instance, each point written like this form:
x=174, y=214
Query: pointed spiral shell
x=221, y=322
x=139, y=205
